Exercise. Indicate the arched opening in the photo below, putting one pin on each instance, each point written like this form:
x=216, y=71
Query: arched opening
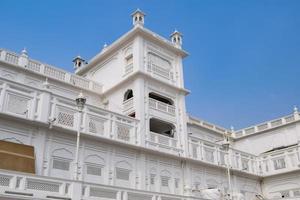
x=161, y=127
x=160, y=98
x=128, y=95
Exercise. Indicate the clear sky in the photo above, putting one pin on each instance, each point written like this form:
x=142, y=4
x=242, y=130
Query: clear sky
x=244, y=63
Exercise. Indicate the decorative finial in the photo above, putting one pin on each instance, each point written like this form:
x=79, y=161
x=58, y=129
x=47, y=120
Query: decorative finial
x=78, y=62
x=295, y=109
x=46, y=83
x=232, y=129
x=24, y=52
x=80, y=95
x=138, y=17
x=176, y=38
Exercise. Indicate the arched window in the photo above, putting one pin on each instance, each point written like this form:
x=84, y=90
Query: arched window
x=161, y=127
x=128, y=94
x=61, y=160
x=123, y=171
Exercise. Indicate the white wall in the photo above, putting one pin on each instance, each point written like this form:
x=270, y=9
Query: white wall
x=265, y=141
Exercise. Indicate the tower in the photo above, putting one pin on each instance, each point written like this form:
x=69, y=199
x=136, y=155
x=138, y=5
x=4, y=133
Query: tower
x=143, y=76
x=176, y=38
x=138, y=18
x=78, y=62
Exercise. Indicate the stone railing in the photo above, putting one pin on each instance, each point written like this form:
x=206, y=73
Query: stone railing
x=160, y=71
x=128, y=68
x=98, y=121
x=268, y=125
x=161, y=106
x=49, y=71
x=162, y=143
x=62, y=112
x=280, y=161
x=18, y=185
x=215, y=154
x=209, y=126
x=128, y=105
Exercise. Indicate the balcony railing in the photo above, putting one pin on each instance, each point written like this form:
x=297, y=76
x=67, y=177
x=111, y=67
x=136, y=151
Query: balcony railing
x=49, y=71
x=99, y=122
x=280, y=161
x=28, y=186
x=215, y=154
x=128, y=68
x=268, y=125
x=128, y=105
x=160, y=71
x=161, y=106
x=162, y=142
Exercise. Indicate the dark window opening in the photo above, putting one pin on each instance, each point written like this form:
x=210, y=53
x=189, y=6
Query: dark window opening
x=128, y=94
x=132, y=115
x=161, y=98
x=161, y=127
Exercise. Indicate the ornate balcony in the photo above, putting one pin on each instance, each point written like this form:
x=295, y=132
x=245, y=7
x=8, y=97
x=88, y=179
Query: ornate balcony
x=162, y=143
x=128, y=105
x=281, y=160
x=161, y=106
x=212, y=153
x=160, y=71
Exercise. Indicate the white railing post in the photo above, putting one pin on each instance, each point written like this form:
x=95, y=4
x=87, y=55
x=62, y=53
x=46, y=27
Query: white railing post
x=76, y=191
x=23, y=59
x=2, y=54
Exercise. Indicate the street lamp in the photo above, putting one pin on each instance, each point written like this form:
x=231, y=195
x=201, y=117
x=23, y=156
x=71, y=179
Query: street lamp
x=80, y=102
x=226, y=146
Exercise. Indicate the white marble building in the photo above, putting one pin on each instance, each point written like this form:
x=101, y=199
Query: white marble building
x=136, y=139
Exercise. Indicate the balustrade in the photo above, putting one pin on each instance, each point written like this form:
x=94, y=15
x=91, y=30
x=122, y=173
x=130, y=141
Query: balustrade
x=161, y=106
x=21, y=185
x=128, y=68
x=160, y=141
x=160, y=71
x=268, y=125
x=128, y=105
x=215, y=154
x=277, y=161
x=50, y=71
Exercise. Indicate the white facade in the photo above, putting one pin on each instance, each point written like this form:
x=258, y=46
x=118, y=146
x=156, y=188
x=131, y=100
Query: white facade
x=136, y=140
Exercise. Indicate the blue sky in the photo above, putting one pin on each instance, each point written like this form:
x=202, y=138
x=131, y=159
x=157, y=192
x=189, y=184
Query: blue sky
x=244, y=62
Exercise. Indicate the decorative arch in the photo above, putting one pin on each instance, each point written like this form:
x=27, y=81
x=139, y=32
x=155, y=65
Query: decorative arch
x=165, y=173
x=153, y=171
x=95, y=159
x=62, y=153
x=123, y=165
x=128, y=94
x=128, y=51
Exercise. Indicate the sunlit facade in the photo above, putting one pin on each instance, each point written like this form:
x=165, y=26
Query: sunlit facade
x=131, y=138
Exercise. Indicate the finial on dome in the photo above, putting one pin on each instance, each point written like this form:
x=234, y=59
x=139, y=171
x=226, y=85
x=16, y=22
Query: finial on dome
x=232, y=129
x=295, y=109
x=138, y=17
x=24, y=52
x=105, y=45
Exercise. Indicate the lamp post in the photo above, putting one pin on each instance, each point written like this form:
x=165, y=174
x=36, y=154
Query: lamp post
x=80, y=102
x=226, y=146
